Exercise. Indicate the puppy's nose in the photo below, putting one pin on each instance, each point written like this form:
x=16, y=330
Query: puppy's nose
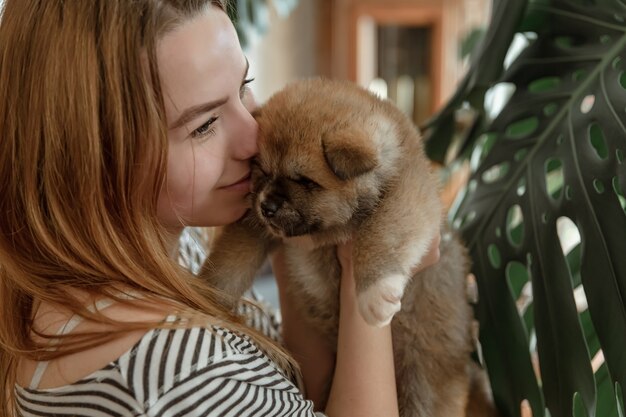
x=270, y=206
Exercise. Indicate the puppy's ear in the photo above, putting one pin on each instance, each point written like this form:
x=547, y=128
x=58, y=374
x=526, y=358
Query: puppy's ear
x=349, y=152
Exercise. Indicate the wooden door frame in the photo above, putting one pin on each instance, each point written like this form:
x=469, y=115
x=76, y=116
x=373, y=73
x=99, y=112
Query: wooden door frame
x=426, y=15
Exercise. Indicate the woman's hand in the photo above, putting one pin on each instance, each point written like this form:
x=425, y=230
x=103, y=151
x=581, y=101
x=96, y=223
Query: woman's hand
x=364, y=381
x=431, y=257
x=303, y=341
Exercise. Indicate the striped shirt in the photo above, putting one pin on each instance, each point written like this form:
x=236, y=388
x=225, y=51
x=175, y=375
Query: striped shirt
x=177, y=372
x=182, y=372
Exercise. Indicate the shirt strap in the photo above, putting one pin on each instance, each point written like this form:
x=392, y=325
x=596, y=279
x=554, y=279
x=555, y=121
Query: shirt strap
x=64, y=330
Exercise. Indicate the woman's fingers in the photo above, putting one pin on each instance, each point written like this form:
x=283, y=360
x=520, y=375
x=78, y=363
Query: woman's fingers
x=431, y=257
x=344, y=253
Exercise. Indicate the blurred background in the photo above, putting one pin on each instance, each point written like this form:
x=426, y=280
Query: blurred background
x=407, y=50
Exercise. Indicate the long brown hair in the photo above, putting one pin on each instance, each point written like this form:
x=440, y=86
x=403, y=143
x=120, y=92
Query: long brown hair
x=83, y=150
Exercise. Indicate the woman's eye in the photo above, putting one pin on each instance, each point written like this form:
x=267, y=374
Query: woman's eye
x=244, y=87
x=205, y=129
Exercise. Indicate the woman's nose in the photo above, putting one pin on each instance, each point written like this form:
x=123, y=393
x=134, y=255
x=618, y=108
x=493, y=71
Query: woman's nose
x=246, y=147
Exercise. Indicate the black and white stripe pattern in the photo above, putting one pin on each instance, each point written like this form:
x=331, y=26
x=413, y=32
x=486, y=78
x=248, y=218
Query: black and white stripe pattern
x=177, y=372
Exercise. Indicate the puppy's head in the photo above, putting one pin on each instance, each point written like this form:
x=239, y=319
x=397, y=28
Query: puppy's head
x=313, y=159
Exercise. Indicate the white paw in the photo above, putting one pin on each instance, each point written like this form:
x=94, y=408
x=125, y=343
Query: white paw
x=381, y=301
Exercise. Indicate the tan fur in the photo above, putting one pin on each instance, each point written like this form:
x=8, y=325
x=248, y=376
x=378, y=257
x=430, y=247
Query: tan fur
x=336, y=162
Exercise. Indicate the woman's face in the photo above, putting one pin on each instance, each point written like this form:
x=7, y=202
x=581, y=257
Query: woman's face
x=212, y=135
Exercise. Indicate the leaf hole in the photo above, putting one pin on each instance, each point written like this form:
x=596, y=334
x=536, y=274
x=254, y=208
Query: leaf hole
x=544, y=84
x=495, y=173
x=579, y=75
x=522, y=128
x=471, y=186
x=519, y=155
x=568, y=192
x=587, y=103
x=550, y=109
x=493, y=253
x=515, y=226
x=497, y=97
x=544, y=218
x=598, y=141
x=559, y=140
x=617, y=62
x=465, y=220
x=568, y=233
x=564, y=42
x=605, y=39
x=622, y=80
x=517, y=276
x=619, y=399
x=484, y=144
x=598, y=186
x=619, y=193
x=580, y=298
x=521, y=187
x=554, y=177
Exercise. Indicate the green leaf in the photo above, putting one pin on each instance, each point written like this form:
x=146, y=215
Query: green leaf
x=562, y=138
x=484, y=71
x=607, y=404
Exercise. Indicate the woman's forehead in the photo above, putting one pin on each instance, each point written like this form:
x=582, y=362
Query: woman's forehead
x=199, y=60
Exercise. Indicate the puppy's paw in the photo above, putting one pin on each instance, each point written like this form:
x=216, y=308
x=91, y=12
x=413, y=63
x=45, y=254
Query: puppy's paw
x=381, y=301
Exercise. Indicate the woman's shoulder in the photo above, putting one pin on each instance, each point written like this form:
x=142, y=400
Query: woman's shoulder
x=208, y=371
x=169, y=368
x=168, y=355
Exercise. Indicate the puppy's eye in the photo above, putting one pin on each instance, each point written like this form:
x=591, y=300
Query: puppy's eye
x=306, y=182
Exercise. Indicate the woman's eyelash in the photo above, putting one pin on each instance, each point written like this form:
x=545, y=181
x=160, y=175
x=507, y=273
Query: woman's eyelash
x=205, y=129
x=244, y=86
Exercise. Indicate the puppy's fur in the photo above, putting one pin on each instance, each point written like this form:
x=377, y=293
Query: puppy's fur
x=335, y=163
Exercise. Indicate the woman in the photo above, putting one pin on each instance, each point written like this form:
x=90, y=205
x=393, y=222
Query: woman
x=122, y=122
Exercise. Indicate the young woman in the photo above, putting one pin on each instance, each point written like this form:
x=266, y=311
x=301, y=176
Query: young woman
x=122, y=122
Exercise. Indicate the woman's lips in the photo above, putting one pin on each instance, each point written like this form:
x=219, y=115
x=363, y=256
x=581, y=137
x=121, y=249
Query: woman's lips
x=241, y=185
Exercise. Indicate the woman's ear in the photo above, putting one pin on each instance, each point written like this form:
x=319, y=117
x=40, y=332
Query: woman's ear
x=349, y=152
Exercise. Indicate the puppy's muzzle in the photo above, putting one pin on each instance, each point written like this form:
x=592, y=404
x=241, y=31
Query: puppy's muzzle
x=270, y=205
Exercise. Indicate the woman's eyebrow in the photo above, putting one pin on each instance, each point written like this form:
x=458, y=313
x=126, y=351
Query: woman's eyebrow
x=193, y=111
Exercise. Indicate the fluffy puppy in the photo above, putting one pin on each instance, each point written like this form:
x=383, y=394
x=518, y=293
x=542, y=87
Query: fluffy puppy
x=335, y=162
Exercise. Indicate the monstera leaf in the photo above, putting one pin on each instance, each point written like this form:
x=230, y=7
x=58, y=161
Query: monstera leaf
x=485, y=68
x=543, y=213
